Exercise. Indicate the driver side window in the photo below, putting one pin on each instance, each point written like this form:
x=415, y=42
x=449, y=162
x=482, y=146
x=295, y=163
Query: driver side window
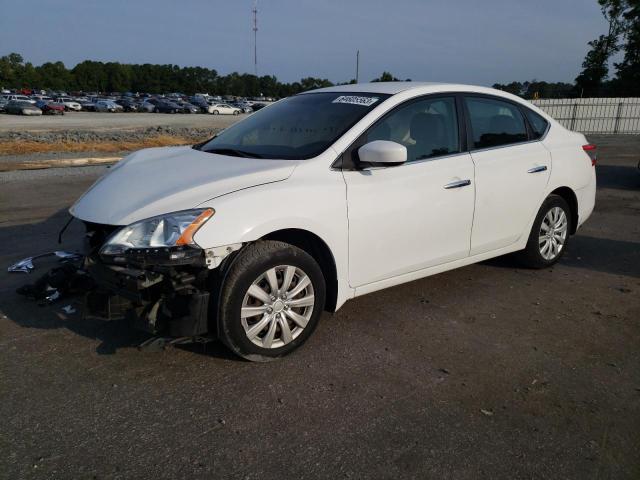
x=428, y=128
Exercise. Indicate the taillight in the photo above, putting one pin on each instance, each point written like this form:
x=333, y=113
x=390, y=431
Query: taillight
x=592, y=151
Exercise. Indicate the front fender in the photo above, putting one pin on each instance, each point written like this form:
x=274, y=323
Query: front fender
x=312, y=199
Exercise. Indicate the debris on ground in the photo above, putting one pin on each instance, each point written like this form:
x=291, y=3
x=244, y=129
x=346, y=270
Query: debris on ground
x=57, y=283
x=26, y=264
x=69, y=310
x=487, y=413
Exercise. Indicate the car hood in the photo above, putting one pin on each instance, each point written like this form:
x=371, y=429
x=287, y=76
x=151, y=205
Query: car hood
x=155, y=181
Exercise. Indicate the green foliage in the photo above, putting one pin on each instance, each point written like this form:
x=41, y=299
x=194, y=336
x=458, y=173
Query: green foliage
x=515, y=88
x=91, y=76
x=595, y=68
x=537, y=89
x=386, y=77
x=628, y=71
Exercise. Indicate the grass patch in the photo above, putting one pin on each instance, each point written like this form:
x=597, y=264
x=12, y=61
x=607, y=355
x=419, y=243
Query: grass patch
x=22, y=147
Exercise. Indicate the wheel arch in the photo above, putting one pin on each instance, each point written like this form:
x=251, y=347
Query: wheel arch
x=321, y=253
x=570, y=197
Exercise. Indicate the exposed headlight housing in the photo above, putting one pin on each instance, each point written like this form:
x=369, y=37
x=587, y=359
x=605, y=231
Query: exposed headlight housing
x=162, y=232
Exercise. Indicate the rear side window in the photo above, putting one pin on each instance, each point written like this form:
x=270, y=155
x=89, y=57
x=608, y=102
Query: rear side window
x=495, y=123
x=428, y=128
x=538, y=124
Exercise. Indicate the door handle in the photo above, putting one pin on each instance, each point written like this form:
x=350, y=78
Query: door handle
x=458, y=184
x=541, y=168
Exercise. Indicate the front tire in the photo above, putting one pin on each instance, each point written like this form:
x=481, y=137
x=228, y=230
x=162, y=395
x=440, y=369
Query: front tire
x=271, y=300
x=215, y=112
x=549, y=235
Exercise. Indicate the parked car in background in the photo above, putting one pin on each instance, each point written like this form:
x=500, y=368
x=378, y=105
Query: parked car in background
x=186, y=107
x=244, y=107
x=158, y=105
x=3, y=103
x=88, y=105
x=41, y=97
x=19, y=98
x=108, y=106
x=21, y=107
x=258, y=106
x=128, y=104
x=201, y=103
x=224, y=109
x=50, y=108
x=68, y=103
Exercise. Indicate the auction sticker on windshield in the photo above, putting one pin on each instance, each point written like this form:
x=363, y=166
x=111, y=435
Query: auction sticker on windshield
x=355, y=100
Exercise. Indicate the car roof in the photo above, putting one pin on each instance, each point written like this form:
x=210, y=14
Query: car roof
x=417, y=88
x=390, y=88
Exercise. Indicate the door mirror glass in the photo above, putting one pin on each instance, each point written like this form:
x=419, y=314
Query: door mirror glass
x=383, y=152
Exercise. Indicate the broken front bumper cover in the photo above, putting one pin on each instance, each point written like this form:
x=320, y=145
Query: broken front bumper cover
x=162, y=291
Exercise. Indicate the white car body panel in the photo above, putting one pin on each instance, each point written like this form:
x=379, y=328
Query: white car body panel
x=405, y=219
x=507, y=196
x=20, y=98
x=154, y=181
x=70, y=104
x=383, y=226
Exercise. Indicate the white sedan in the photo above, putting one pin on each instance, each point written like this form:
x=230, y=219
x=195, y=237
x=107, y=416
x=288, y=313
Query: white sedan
x=326, y=196
x=223, y=109
x=68, y=104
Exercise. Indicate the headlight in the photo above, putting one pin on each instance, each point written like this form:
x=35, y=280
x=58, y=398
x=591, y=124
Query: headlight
x=170, y=230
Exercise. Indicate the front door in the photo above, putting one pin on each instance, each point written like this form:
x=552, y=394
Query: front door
x=417, y=215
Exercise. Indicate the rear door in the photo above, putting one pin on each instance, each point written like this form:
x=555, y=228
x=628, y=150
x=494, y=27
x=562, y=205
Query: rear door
x=511, y=172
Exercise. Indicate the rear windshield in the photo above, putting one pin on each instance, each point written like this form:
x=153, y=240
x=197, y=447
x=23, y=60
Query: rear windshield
x=298, y=127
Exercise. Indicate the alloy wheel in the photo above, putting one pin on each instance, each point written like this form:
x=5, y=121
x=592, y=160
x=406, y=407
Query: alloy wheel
x=553, y=233
x=277, y=306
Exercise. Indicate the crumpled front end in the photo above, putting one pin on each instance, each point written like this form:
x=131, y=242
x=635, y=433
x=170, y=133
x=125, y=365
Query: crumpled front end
x=164, y=291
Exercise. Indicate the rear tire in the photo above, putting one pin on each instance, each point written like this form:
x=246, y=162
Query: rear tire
x=549, y=234
x=270, y=301
x=215, y=112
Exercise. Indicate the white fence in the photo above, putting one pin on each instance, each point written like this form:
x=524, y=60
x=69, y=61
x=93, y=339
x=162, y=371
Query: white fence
x=595, y=115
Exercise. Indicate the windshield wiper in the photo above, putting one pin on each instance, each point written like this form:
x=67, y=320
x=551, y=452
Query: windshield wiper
x=233, y=152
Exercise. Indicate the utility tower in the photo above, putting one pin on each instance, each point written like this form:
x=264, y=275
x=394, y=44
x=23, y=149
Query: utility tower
x=255, y=37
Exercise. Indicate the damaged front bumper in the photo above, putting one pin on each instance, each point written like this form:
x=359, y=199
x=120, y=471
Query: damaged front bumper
x=168, y=301
x=163, y=291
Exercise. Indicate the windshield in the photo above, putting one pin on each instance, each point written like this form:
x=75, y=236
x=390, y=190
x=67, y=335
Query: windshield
x=298, y=127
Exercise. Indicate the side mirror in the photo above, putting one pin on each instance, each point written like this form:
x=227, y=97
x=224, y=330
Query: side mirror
x=383, y=152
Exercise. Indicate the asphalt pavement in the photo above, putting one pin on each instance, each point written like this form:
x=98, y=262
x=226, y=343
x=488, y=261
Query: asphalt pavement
x=489, y=371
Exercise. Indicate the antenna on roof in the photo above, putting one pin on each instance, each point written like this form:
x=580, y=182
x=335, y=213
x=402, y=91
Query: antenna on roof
x=255, y=37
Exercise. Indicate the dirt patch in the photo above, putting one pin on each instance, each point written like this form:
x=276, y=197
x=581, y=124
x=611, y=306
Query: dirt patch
x=24, y=143
x=15, y=147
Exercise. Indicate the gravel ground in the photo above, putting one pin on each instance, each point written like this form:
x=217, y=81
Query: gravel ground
x=89, y=127
x=489, y=371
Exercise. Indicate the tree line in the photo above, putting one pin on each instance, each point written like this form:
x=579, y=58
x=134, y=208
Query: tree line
x=92, y=76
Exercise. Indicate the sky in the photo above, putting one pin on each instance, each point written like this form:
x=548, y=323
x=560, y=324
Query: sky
x=464, y=41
